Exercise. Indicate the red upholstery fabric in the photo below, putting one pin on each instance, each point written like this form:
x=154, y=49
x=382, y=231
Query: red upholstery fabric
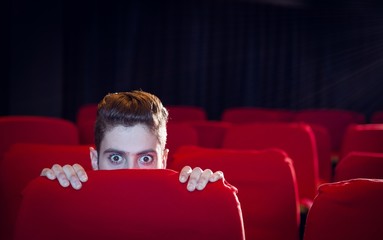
x=266, y=186
x=36, y=129
x=335, y=120
x=85, y=120
x=297, y=140
x=323, y=143
x=362, y=138
x=87, y=112
x=241, y=115
x=377, y=117
x=350, y=210
x=86, y=131
x=129, y=204
x=359, y=165
x=210, y=133
x=184, y=113
x=179, y=134
x=22, y=163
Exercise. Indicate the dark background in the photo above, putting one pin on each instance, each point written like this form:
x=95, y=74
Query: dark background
x=293, y=54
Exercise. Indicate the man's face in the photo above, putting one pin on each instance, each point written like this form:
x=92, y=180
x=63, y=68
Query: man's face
x=129, y=148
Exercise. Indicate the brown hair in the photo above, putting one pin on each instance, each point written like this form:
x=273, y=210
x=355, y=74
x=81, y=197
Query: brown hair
x=129, y=109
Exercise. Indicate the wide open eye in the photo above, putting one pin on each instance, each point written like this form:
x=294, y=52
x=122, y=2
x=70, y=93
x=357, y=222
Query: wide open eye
x=115, y=158
x=146, y=159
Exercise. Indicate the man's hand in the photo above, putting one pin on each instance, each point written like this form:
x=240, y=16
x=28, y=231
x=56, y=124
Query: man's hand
x=198, y=178
x=75, y=175
x=68, y=175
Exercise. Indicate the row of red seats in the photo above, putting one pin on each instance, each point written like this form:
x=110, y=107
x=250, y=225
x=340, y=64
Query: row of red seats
x=335, y=121
x=267, y=197
x=237, y=137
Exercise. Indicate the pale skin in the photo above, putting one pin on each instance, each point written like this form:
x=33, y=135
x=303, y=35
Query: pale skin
x=129, y=148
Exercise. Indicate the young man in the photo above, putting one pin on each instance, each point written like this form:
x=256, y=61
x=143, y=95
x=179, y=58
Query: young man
x=130, y=133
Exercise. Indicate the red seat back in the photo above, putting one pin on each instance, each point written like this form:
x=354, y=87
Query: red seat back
x=179, y=134
x=24, y=162
x=359, y=165
x=297, y=140
x=349, y=210
x=85, y=120
x=129, y=204
x=362, y=138
x=185, y=113
x=36, y=129
x=323, y=143
x=243, y=115
x=377, y=117
x=266, y=186
x=335, y=120
x=210, y=133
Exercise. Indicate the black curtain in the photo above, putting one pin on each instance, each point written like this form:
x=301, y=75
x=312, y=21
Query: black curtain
x=224, y=53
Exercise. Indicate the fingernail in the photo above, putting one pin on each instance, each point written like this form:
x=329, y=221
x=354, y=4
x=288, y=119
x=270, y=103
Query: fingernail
x=199, y=186
x=65, y=183
x=191, y=187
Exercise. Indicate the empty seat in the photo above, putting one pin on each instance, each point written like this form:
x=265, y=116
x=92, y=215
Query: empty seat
x=377, y=117
x=24, y=162
x=36, y=129
x=350, y=210
x=266, y=186
x=335, y=120
x=129, y=204
x=85, y=120
x=241, y=115
x=296, y=139
x=362, y=138
x=185, y=113
x=359, y=165
x=179, y=134
x=323, y=143
x=210, y=133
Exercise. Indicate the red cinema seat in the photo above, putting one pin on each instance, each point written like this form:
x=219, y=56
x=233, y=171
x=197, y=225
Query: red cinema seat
x=350, y=210
x=243, y=115
x=210, y=133
x=323, y=143
x=86, y=131
x=360, y=165
x=85, y=120
x=129, y=204
x=296, y=139
x=266, y=186
x=36, y=129
x=377, y=117
x=335, y=120
x=362, y=138
x=179, y=134
x=87, y=112
x=185, y=113
x=24, y=162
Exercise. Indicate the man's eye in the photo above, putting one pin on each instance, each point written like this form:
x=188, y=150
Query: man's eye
x=146, y=159
x=115, y=158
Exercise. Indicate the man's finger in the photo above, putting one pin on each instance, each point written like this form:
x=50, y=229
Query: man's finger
x=194, y=176
x=47, y=172
x=204, y=179
x=185, y=173
x=216, y=176
x=72, y=176
x=60, y=175
x=81, y=173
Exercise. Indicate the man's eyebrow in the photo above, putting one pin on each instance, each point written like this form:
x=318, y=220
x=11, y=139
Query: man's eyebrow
x=146, y=151
x=112, y=150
